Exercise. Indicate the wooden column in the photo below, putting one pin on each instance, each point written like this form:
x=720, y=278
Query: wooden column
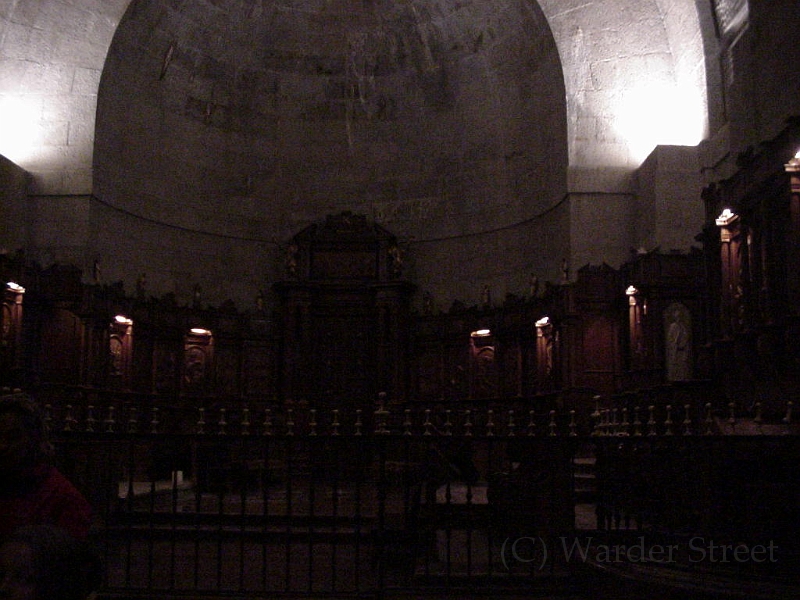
x=731, y=299
x=793, y=241
x=636, y=336
x=11, y=322
x=546, y=356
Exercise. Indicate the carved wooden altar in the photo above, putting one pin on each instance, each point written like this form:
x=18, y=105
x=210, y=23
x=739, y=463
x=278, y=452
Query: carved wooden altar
x=344, y=315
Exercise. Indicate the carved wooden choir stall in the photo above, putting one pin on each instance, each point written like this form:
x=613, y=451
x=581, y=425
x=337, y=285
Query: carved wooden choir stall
x=350, y=329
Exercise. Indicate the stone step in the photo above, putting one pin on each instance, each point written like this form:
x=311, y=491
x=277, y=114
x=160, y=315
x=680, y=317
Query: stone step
x=584, y=479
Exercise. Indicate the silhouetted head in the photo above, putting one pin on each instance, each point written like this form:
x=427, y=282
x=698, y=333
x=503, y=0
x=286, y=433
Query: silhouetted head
x=23, y=440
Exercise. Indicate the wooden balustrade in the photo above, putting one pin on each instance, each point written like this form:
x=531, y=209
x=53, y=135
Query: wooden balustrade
x=625, y=415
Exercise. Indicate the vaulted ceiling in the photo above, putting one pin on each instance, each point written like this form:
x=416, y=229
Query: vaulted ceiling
x=439, y=118
x=438, y=51
x=316, y=106
x=386, y=104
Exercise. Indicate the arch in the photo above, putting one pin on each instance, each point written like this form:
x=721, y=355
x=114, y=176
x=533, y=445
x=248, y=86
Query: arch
x=51, y=57
x=634, y=71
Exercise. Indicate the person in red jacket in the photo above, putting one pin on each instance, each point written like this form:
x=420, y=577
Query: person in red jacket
x=33, y=491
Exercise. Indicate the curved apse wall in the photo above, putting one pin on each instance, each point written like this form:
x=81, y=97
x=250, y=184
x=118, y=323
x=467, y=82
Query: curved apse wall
x=222, y=130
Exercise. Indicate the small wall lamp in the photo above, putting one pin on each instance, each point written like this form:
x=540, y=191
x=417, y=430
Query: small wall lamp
x=726, y=217
x=793, y=165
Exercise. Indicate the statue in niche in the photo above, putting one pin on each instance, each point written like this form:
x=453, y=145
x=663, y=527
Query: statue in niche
x=678, y=343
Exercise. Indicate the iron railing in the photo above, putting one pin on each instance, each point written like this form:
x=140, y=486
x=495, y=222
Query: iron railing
x=343, y=504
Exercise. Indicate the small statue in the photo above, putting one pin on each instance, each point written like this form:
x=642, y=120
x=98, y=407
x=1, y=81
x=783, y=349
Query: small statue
x=396, y=264
x=534, y=286
x=197, y=295
x=141, y=286
x=427, y=303
x=260, y=302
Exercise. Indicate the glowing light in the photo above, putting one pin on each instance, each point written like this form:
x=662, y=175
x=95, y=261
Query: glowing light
x=631, y=291
x=657, y=113
x=793, y=166
x=481, y=333
x=726, y=217
x=123, y=320
x=15, y=287
x=543, y=322
x=199, y=331
x=19, y=127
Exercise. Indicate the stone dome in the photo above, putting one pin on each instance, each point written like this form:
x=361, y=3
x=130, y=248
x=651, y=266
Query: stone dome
x=436, y=118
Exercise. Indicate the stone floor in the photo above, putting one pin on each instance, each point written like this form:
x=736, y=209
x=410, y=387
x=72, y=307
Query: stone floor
x=447, y=571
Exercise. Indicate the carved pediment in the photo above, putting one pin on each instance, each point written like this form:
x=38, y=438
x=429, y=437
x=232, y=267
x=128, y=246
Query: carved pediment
x=346, y=246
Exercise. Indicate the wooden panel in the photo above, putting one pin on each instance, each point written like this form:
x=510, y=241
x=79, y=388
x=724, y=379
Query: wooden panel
x=344, y=355
x=337, y=264
x=429, y=374
x=257, y=370
x=599, y=355
x=165, y=367
x=61, y=346
x=227, y=370
x=510, y=358
x=484, y=373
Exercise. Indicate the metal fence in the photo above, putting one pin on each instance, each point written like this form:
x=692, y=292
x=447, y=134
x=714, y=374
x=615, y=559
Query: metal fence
x=302, y=504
